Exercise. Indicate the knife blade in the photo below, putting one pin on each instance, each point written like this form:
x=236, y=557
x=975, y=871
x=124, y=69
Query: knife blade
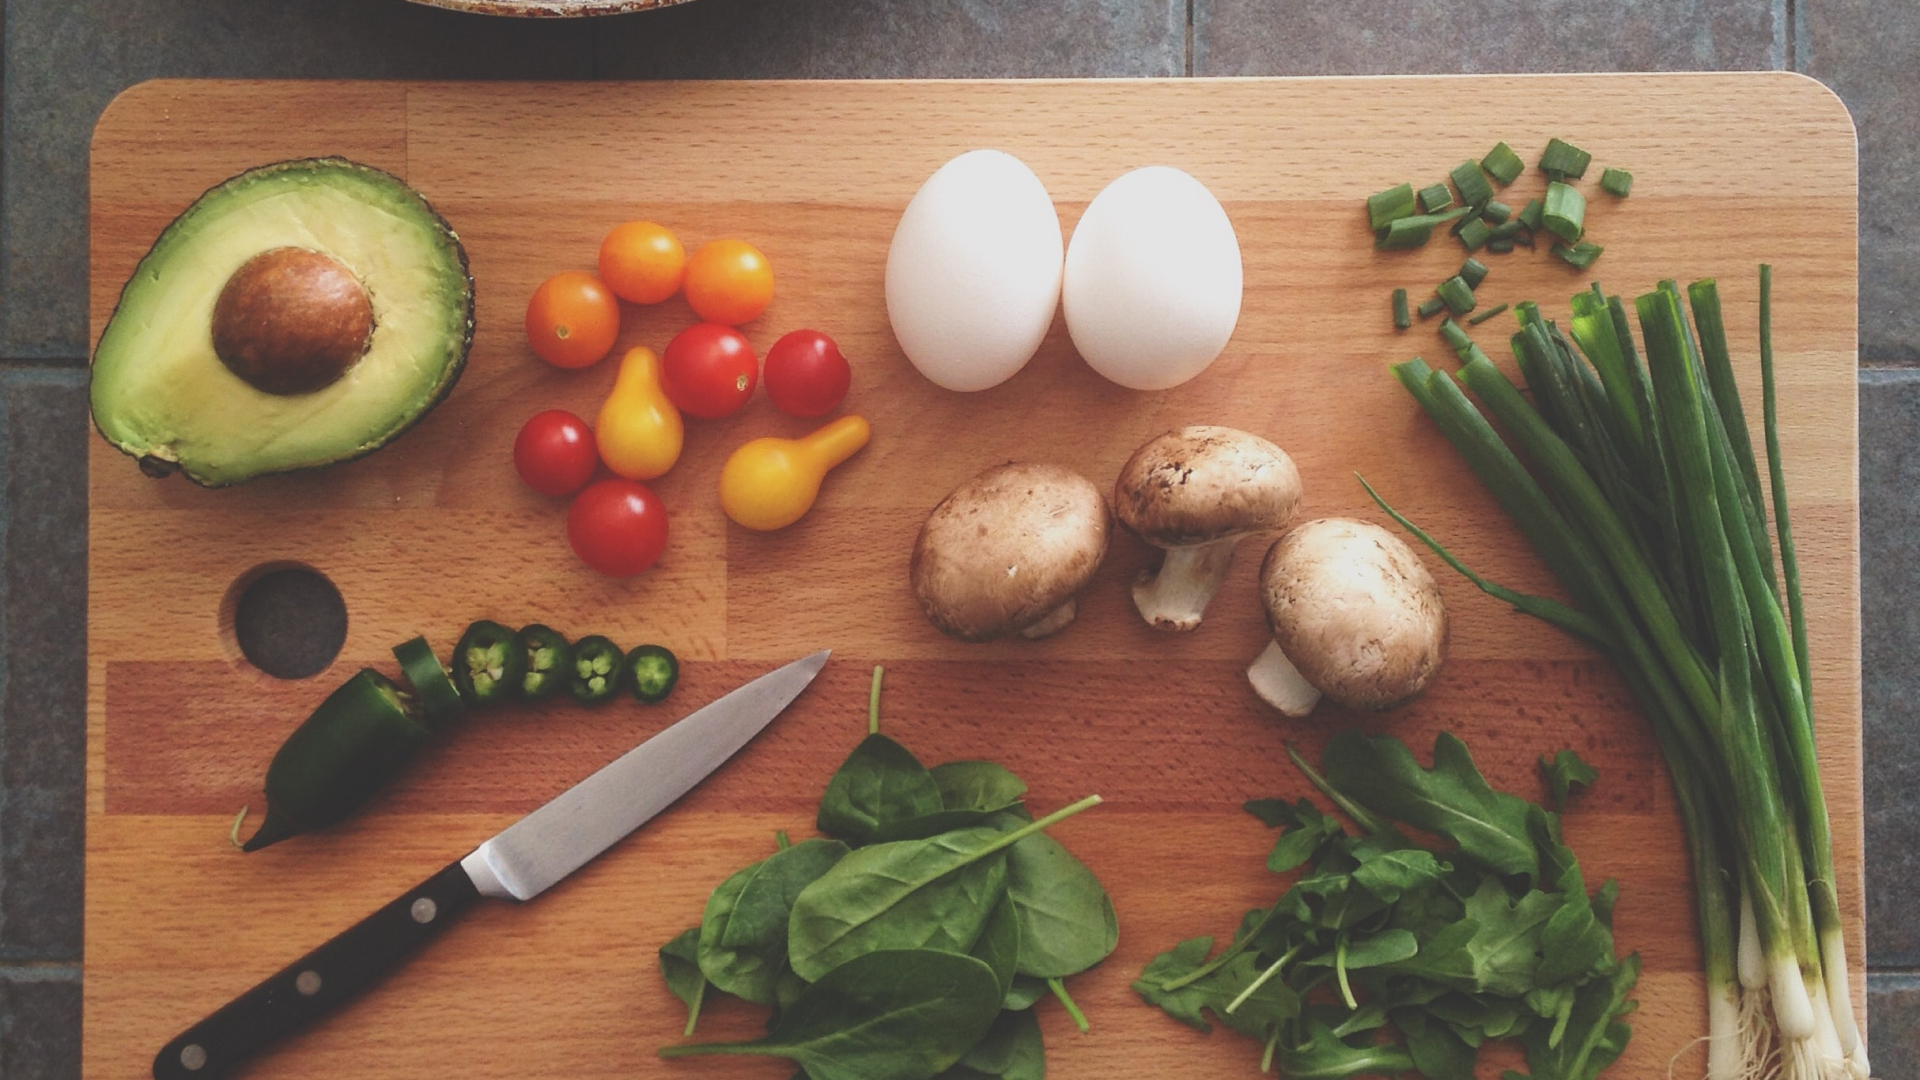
x=518, y=863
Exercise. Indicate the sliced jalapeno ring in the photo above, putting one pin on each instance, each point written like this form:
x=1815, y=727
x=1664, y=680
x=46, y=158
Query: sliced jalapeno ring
x=439, y=700
x=339, y=757
x=651, y=672
x=598, y=668
x=488, y=664
x=549, y=661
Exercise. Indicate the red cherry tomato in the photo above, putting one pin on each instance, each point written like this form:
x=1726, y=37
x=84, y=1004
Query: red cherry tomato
x=555, y=453
x=806, y=375
x=617, y=527
x=709, y=371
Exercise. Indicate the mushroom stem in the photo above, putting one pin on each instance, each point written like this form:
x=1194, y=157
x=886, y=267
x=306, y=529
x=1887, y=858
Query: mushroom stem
x=1280, y=684
x=1054, y=621
x=1175, y=596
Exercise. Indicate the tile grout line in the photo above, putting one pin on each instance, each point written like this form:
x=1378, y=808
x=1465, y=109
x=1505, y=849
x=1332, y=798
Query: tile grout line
x=1189, y=61
x=49, y=971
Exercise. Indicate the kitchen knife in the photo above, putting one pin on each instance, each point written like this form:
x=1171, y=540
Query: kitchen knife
x=518, y=864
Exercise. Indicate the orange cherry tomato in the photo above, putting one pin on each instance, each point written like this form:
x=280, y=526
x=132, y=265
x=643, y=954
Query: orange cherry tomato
x=572, y=319
x=642, y=262
x=729, y=282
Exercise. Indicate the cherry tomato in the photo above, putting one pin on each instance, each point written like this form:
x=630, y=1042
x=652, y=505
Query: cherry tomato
x=642, y=262
x=572, y=319
x=555, y=453
x=617, y=527
x=728, y=281
x=806, y=375
x=709, y=371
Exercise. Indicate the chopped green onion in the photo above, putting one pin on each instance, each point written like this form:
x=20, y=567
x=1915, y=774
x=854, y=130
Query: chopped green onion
x=1472, y=183
x=1411, y=232
x=1455, y=337
x=1503, y=164
x=1435, y=199
x=1475, y=234
x=1616, y=182
x=1563, y=160
x=1474, y=271
x=1431, y=307
x=1401, y=319
x=1457, y=295
x=1565, y=212
x=1499, y=245
x=1580, y=255
x=1496, y=212
x=1507, y=230
x=1485, y=315
x=1389, y=206
x=1530, y=214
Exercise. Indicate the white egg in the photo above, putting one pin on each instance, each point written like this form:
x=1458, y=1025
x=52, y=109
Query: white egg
x=1152, y=287
x=973, y=273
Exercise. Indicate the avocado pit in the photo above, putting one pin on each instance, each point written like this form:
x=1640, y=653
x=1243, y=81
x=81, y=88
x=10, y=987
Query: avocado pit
x=291, y=321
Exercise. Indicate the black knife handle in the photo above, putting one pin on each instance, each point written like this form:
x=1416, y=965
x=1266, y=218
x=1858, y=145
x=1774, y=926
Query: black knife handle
x=318, y=982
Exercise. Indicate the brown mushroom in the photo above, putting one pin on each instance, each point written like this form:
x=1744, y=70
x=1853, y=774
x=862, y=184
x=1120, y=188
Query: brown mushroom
x=1355, y=616
x=1195, y=492
x=1007, y=550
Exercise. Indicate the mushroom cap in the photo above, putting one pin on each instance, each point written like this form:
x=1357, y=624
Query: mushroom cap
x=1007, y=548
x=1355, y=611
x=1205, y=483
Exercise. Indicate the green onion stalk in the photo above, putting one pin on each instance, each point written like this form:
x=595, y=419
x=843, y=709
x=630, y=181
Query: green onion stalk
x=1637, y=483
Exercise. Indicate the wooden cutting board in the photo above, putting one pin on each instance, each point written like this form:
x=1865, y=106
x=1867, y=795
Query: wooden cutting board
x=434, y=531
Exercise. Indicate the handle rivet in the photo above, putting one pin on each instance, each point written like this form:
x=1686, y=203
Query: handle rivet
x=307, y=982
x=424, y=909
x=193, y=1057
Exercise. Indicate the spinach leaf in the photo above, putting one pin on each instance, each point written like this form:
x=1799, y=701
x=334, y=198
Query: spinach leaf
x=1564, y=770
x=680, y=966
x=1067, y=922
x=1451, y=799
x=759, y=917
x=1025, y=991
x=1012, y=1049
x=890, y=1015
x=880, y=783
x=976, y=785
x=999, y=944
x=913, y=894
x=928, y=825
x=746, y=973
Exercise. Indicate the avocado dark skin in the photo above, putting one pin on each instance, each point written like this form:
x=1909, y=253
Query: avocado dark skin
x=291, y=321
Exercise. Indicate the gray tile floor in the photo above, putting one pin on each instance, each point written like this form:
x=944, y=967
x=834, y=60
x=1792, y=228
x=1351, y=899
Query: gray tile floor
x=64, y=59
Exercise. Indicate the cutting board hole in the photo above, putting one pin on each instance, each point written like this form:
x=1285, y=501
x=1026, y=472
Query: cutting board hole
x=287, y=619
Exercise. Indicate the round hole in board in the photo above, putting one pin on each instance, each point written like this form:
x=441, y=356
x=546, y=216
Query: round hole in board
x=286, y=619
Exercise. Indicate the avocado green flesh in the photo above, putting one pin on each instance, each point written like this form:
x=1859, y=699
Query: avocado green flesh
x=160, y=392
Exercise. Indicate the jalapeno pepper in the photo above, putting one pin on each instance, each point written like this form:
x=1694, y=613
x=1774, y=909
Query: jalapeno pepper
x=549, y=660
x=598, y=668
x=488, y=664
x=353, y=743
x=439, y=700
x=651, y=672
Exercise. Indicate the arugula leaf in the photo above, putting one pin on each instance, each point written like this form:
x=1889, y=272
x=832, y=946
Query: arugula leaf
x=1593, y=1036
x=1564, y=770
x=1452, y=798
x=680, y=966
x=889, y=1015
x=1304, y=827
x=1574, y=945
x=879, y=784
x=1324, y=1056
x=1436, y=1050
x=1067, y=922
x=976, y=785
x=917, y=894
x=1392, y=873
x=1262, y=1013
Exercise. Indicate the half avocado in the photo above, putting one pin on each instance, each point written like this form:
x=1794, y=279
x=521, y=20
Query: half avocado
x=297, y=315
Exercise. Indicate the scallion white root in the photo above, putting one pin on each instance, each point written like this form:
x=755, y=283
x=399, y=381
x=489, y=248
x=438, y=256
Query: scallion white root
x=1725, y=1054
x=1833, y=958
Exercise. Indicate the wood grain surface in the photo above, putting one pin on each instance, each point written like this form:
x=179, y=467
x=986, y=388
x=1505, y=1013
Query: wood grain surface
x=435, y=531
